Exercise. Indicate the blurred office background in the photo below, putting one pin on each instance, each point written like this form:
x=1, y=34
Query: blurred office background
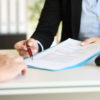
x=18, y=20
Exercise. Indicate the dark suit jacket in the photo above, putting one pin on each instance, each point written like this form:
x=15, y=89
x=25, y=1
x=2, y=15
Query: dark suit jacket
x=55, y=11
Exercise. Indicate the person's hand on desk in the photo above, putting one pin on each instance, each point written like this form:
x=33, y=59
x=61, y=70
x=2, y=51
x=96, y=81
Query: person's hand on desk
x=92, y=40
x=10, y=67
x=22, y=49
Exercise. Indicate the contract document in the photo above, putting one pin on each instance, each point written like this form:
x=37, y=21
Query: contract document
x=65, y=55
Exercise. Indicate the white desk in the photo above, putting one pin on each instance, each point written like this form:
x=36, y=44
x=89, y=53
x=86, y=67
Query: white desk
x=75, y=84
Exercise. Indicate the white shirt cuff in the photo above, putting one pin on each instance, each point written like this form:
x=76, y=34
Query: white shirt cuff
x=42, y=48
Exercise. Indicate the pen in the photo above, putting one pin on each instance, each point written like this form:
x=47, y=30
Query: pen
x=29, y=51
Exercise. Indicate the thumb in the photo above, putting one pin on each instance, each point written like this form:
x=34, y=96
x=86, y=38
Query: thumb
x=32, y=43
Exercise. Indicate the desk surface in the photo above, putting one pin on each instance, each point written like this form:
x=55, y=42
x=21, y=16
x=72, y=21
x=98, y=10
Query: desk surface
x=85, y=78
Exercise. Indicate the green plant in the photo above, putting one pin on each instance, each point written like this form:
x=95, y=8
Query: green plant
x=36, y=10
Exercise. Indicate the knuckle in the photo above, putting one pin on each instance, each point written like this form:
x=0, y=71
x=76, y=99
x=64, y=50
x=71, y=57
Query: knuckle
x=31, y=39
x=15, y=45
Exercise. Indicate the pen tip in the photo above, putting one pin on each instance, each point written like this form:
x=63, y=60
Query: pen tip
x=32, y=58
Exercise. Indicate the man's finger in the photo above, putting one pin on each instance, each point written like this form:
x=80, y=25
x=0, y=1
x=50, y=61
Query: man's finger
x=88, y=41
x=23, y=53
x=20, y=45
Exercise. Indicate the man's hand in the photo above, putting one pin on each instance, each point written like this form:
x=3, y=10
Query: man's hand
x=10, y=67
x=22, y=49
x=90, y=40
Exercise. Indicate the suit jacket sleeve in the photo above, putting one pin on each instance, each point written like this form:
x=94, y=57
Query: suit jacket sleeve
x=48, y=23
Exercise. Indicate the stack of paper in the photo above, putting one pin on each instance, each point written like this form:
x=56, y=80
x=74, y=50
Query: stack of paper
x=66, y=55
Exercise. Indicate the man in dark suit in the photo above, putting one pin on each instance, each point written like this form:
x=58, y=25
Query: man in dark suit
x=71, y=13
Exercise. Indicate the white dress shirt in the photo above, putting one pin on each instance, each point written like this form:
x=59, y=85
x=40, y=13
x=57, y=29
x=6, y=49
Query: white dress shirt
x=90, y=19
